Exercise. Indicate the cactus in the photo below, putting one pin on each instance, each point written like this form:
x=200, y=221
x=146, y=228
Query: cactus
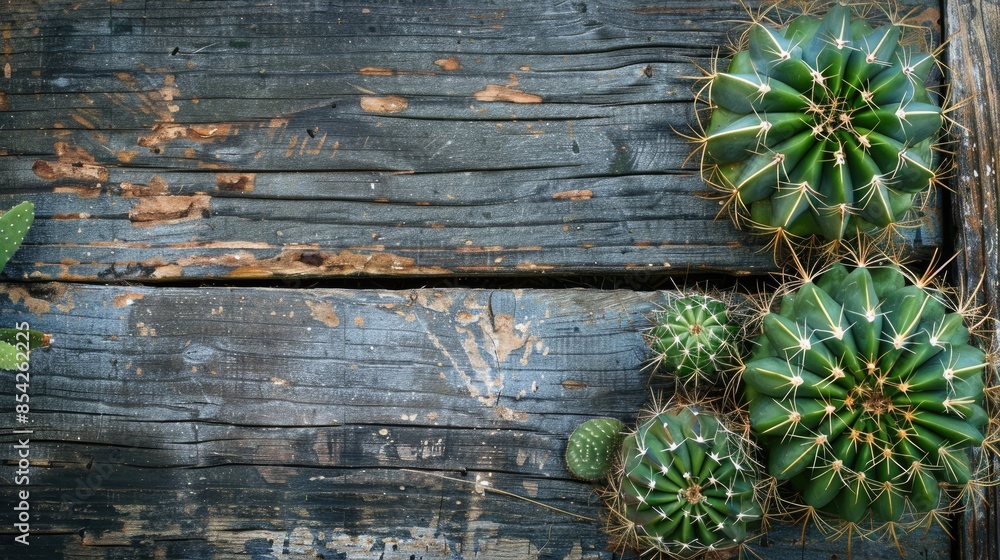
x=867, y=393
x=593, y=446
x=16, y=343
x=14, y=225
x=694, y=338
x=822, y=128
x=687, y=486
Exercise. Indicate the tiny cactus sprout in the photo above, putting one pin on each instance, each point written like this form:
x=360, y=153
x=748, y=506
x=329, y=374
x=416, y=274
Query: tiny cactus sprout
x=687, y=487
x=593, y=447
x=15, y=343
x=822, y=128
x=693, y=338
x=868, y=395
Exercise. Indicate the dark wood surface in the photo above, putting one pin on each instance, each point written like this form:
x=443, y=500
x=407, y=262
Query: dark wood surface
x=170, y=144
x=976, y=28
x=175, y=140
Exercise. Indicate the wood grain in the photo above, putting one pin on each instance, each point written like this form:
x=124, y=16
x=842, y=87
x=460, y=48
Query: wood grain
x=974, y=30
x=314, y=139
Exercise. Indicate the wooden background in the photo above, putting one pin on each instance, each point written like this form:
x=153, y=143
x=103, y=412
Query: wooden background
x=303, y=258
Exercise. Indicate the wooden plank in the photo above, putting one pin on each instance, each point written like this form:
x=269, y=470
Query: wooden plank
x=314, y=139
x=218, y=422
x=973, y=28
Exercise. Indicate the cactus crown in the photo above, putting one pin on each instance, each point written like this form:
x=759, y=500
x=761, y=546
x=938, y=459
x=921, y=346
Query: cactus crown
x=693, y=338
x=687, y=485
x=867, y=393
x=822, y=128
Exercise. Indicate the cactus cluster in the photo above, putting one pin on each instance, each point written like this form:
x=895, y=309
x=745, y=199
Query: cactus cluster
x=822, y=128
x=867, y=393
x=15, y=343
x=693, y=338
x=687, y=485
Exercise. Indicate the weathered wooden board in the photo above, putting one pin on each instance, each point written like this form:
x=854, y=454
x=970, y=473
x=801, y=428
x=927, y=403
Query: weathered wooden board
x=217, y=423
x=163, y=140
x=975, y=30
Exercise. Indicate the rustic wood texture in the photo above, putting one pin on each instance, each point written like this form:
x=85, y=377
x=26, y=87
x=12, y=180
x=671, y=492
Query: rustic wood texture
x=275, y=423
x=974, y=28
x=166, y=140
x=168, y=143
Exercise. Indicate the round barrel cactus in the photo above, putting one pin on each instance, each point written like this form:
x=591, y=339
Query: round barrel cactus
x=593, y=447
x=867, y=393
x=822, y=128
x=687, y=485
x=693, y=338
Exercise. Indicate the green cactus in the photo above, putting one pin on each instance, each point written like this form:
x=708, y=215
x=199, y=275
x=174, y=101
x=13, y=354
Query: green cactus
x=14, y=225
x=822, y=128
x=693, y=337
x=687, y=486
x=16, y=343
x=593, y=446
x=867, y=393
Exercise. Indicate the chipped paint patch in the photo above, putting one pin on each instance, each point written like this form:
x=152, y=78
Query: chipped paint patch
x=236, y=182
x=156, y=187
x=323, y=312
x=576, y=194
x=126, y=299
x=39, y=302
x=74, y=163
x=384, y=103
x=505, y=93
x=163, y=210
x=164, y=133
x=449, y=64
x=297, y=262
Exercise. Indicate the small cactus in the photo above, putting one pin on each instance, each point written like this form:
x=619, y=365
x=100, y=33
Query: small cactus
x=687, y=486
x=822, y=128
x=693, y=338
x=593, y=446
x=15, y=344
x=867, y=393
x=14, y=225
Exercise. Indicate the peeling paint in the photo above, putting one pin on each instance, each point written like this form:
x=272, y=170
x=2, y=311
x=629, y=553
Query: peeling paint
x=323, y=312
x=237, y=182
x=384, y=104
x=162, y=210
x=505, y=93
x=74, y=163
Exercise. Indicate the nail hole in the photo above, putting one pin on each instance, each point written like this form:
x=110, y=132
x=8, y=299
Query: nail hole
x=176, y=50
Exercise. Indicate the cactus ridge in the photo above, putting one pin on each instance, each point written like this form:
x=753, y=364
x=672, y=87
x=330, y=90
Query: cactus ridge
x=687, y=485
x=593, y=446
x=822, y=128
x=693, y=338
x=866, y=391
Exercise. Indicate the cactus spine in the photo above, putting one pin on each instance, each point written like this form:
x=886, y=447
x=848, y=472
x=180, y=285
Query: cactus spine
x=693, y=338
x=822, y=128
x=867, y=393
x=686, y=486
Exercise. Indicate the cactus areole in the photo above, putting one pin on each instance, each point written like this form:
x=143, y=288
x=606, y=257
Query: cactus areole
x=823, y=127
x=867, y=394
x=687, y=485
